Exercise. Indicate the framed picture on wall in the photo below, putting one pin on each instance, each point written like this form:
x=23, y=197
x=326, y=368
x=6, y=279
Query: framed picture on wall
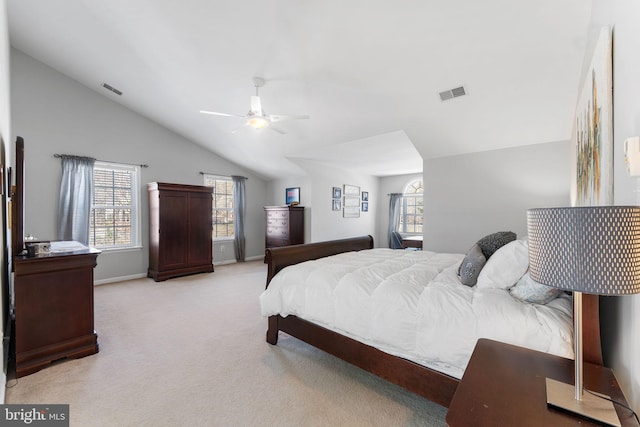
x=336, y=204
x=365, y=206
x=337, y=192
x=351, y=190
x=351, y=201
x=351, y=211
x=594, y=129
x=365, y=196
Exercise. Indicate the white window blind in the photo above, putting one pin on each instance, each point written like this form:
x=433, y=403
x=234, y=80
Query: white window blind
x=222, y=212
x=115, y=206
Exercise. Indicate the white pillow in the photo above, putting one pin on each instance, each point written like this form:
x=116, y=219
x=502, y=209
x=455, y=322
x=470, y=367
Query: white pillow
x=528, y=290
x=506, y=266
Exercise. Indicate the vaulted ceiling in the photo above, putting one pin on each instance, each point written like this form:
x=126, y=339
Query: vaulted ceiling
x=367, y=72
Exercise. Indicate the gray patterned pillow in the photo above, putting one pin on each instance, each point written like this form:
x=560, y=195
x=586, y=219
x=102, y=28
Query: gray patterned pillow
x=471, y=266
x=528, y=290
x=491, y=243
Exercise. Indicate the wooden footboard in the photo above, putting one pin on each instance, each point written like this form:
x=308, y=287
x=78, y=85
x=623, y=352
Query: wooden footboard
x=418, y=379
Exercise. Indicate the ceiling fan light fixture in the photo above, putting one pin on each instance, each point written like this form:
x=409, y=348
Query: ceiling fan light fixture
x=258, y=122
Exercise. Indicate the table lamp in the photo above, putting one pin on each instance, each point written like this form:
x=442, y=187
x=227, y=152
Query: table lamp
x=593, y=250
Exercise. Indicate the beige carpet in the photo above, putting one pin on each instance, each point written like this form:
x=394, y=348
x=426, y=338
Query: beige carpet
x=192, y=352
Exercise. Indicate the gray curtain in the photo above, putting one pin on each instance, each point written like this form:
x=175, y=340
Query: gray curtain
x=74, y=206
x=394, y=218
x=239, y=207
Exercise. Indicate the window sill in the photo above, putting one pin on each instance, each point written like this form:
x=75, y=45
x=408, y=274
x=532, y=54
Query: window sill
x=123, y=249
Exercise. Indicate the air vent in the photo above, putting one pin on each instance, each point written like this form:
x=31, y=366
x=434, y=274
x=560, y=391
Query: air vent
x=111, y=88
x=452, y=93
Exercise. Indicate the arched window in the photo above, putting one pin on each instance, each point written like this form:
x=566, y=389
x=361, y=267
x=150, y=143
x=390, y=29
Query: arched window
x=411, y=208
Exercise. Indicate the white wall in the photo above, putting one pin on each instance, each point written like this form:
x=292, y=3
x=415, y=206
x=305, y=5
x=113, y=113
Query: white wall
x=620, y=316
x=321, y=222
x=470, y=196
x=5, y=133
x=55, y=114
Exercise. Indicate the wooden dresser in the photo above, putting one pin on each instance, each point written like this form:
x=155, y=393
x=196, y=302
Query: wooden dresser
x=179, y=230
x=53, y=308
x=284, y=225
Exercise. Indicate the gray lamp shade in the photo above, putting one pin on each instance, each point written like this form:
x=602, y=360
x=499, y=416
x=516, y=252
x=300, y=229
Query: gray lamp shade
x=595, y=249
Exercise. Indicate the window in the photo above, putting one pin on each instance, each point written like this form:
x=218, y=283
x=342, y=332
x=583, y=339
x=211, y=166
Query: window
x=222, y=205
x=411, y=208
x=114, y=208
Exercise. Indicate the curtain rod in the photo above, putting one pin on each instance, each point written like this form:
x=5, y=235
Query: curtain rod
x=217, y=174
x=106, y=161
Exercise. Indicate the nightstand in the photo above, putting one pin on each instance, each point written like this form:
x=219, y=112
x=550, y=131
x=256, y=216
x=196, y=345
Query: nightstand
x=505, y=385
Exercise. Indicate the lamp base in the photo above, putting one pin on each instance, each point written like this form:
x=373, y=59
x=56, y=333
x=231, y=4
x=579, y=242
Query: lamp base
x=562, y=396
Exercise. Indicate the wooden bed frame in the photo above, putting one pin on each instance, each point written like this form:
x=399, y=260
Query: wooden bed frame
x=416, y=378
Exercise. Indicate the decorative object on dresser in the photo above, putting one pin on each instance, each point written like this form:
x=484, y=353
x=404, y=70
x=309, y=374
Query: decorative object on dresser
x=179, y=230
x=284, y=225
x=292, y=196
x=595, y=250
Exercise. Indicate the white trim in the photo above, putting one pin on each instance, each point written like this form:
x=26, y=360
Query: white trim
x=120, y=249
x=3, y=380
x=136, y=205
x=118, y=279
x=233, y=261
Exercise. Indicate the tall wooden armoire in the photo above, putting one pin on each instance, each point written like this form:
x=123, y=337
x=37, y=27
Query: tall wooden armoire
x=179, y=230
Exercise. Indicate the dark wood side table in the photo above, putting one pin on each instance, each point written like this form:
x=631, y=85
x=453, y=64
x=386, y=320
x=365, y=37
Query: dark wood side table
x=412, y=242
x=504, y=385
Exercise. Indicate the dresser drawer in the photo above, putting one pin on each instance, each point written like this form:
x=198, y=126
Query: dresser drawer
x=272, y=242
x=276, y=214
x=278, y=232
x=278, y=222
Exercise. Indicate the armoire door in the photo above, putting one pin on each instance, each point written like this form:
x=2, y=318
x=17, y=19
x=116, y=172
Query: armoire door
x=174, y=229
x=199, y=248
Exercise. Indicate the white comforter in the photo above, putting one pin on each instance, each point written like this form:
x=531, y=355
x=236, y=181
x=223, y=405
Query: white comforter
x=412, y=304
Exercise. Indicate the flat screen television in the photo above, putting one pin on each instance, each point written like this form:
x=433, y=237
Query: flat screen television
x=292, y=196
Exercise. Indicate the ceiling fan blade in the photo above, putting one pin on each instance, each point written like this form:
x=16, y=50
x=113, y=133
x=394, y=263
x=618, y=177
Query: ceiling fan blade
x=280, y=117
x=213, y=113
x=256, y=106
x=238, y=129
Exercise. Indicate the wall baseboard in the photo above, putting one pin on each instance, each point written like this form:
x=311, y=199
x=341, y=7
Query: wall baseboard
x=3, y=381
x=142, y=275
x=233, y=261
x=118, y=279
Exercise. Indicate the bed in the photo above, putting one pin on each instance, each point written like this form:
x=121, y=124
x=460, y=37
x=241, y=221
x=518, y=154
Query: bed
x=369, y=324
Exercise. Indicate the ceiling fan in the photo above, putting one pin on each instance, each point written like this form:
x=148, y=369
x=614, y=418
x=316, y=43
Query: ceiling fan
x=256, y=117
